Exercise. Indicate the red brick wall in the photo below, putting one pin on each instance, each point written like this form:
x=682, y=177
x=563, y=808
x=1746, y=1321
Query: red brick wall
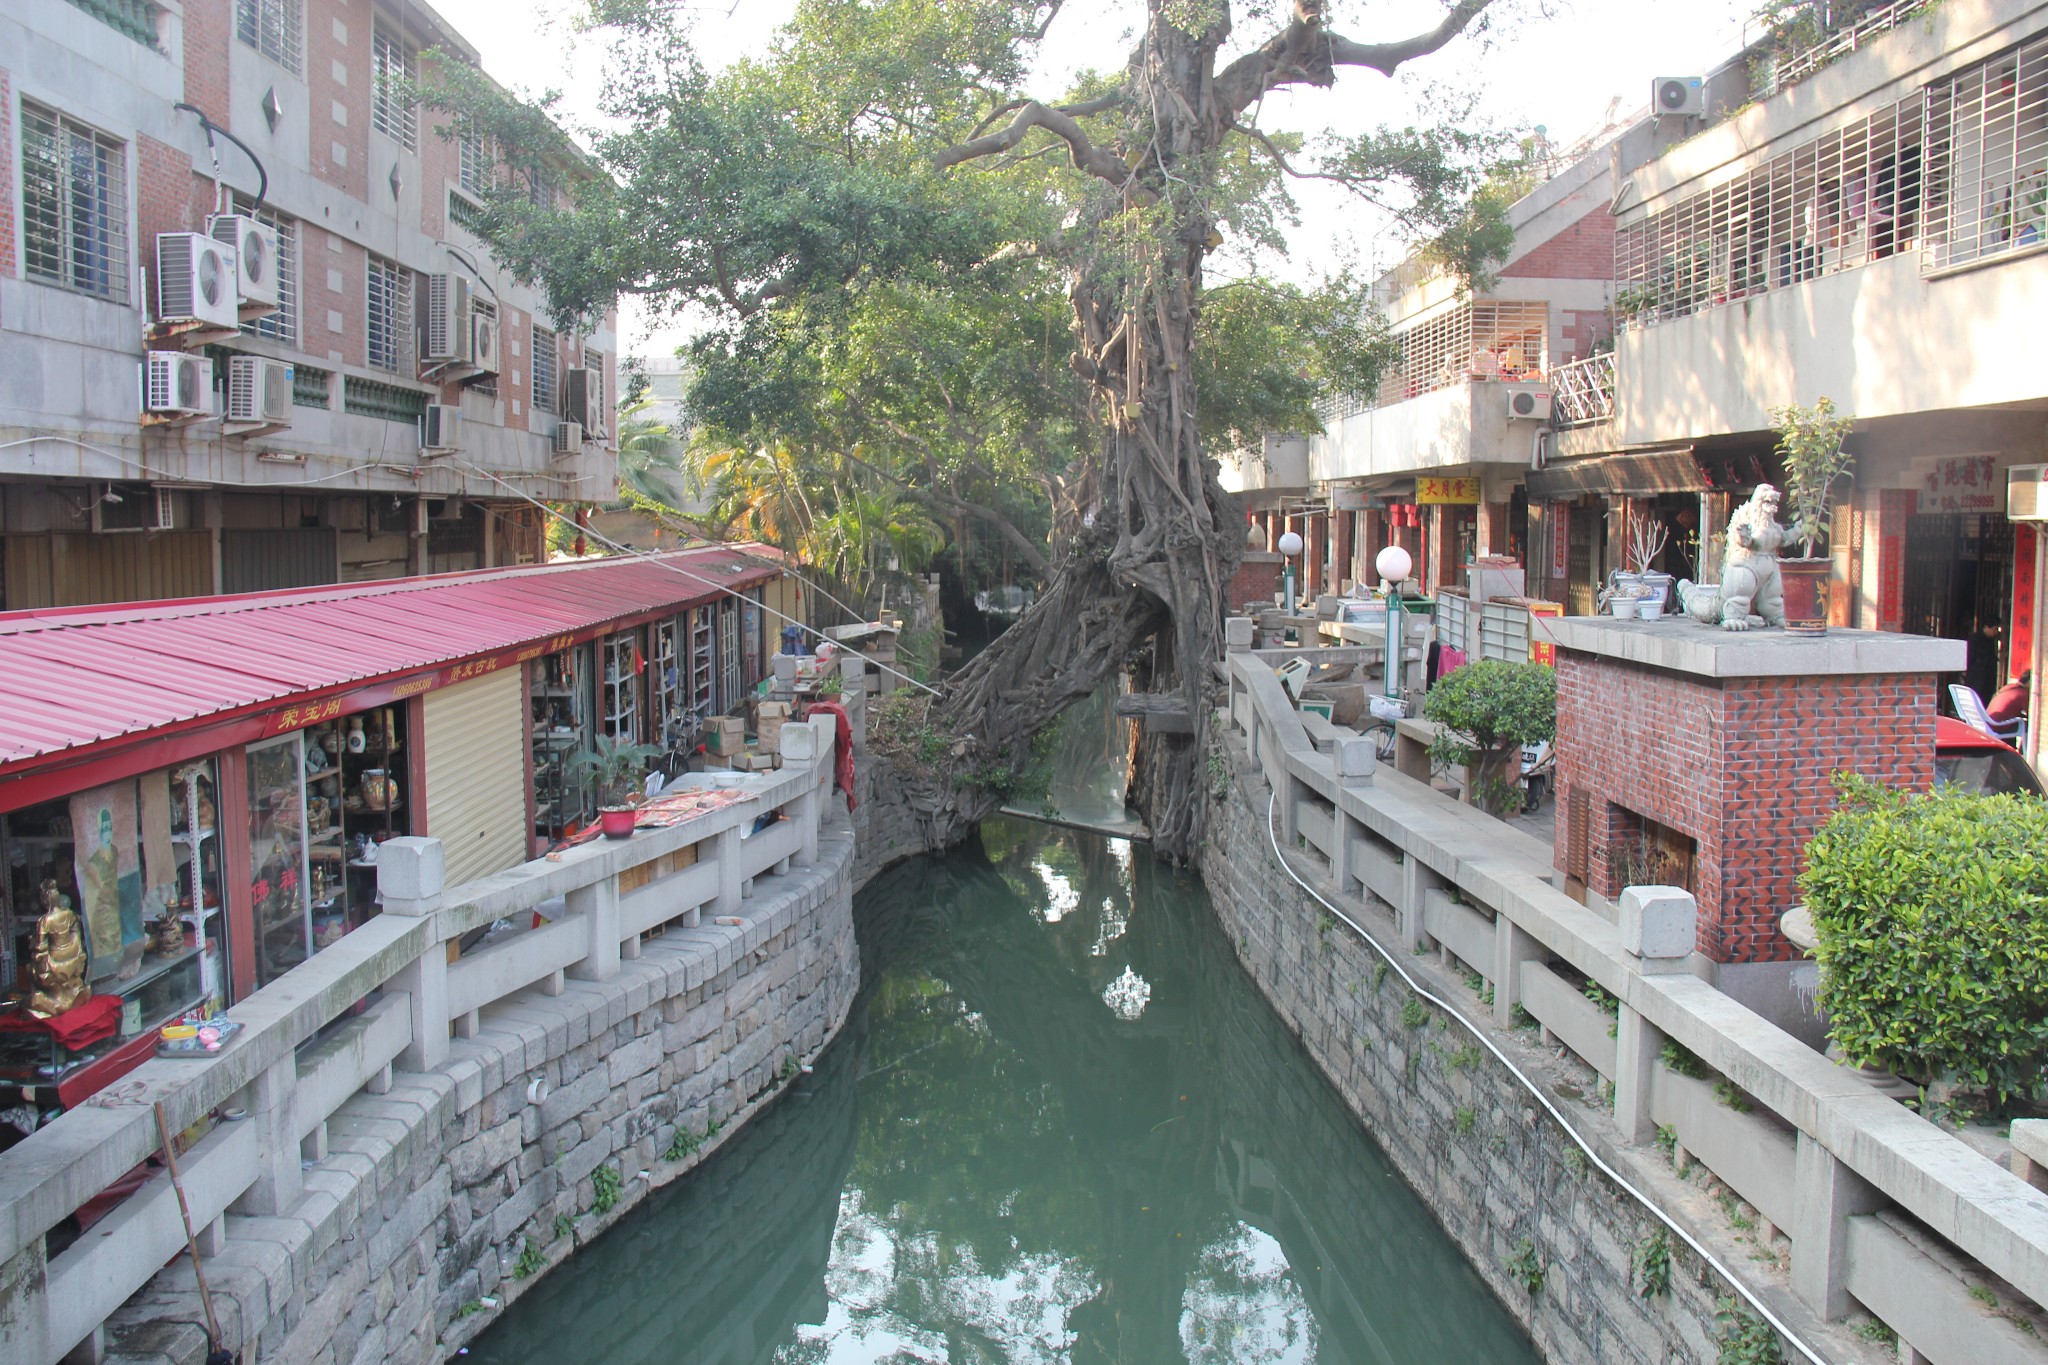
x=1583, y=251
x=1744, y=768
x=350, y=47
x=209, y=28
x=1254, y=581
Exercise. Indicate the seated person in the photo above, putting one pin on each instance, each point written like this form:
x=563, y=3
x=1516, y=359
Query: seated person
x=2009, y=703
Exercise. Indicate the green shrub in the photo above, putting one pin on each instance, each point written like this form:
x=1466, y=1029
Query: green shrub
x=606, y=1182
x=1932, y=918
x=1488, y=710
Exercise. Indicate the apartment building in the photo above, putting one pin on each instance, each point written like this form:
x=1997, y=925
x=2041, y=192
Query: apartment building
x=1871, y=229
x=249, y=339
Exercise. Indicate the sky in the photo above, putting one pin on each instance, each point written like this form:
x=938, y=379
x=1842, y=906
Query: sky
x=1568, y=71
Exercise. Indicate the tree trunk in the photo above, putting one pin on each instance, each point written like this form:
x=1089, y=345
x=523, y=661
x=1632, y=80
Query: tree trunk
x=1165, y=540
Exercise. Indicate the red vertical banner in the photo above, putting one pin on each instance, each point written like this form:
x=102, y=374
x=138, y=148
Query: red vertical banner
x=2019, y=631
x=1560, y=543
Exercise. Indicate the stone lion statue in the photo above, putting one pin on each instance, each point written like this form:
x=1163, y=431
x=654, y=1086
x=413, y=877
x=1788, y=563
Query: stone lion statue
x=1751, y=592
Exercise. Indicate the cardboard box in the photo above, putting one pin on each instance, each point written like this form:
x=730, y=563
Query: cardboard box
x=770, y=736
x=770, y=710
x=725, y=737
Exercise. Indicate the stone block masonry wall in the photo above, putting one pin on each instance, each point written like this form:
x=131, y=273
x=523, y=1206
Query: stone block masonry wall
x=468, y=1182
x=1470, y=1140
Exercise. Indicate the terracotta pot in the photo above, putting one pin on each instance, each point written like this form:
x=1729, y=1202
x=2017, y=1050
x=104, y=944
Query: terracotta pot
x=617, y=821
x=1806, y=594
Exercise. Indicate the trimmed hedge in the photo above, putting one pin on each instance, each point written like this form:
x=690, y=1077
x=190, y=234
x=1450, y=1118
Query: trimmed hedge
x=1932, y=918
x=1490, y=709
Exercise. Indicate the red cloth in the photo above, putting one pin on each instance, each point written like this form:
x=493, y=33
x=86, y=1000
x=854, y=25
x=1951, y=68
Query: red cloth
x=87, y=1022
x=2009, y=703
x=842, y=748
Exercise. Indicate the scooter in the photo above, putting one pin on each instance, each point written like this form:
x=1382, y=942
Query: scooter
x=1539, y=768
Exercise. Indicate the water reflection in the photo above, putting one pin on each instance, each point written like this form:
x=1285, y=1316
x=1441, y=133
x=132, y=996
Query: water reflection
x=992, y=1166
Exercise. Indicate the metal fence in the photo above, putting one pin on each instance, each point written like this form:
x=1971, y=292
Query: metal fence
x=1582, y=392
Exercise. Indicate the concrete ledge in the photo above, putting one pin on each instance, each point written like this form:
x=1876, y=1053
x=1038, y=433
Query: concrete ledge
x=1682, y=645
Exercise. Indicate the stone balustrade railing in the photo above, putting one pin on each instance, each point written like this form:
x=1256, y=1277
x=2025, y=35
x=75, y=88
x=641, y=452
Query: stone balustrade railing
x=1941, y=1243
x=387, y=996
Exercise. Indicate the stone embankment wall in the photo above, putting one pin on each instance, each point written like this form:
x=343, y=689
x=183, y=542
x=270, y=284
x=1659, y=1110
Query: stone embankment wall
x=446, y=1197
x=1513, y=1191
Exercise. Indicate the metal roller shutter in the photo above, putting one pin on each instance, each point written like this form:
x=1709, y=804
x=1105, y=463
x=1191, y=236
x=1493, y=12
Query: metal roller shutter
x=476, y=774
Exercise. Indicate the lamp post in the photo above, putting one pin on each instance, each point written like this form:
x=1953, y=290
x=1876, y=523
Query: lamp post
x=1290, y=546
x=1394, y=566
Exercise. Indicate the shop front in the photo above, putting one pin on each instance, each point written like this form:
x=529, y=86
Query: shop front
x=192, y=794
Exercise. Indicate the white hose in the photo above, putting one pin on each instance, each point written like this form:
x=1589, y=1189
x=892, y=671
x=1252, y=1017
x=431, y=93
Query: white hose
x=1763, y=1310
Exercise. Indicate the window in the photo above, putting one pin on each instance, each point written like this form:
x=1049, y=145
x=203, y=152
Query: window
x=593, y=361
x=389, y=315
x=1987, y=158
x=475, y=162
x=283, y=325
x=74, y=207
x=391, y=69
x=273, y=28
x=541, y=186
x=545, y=396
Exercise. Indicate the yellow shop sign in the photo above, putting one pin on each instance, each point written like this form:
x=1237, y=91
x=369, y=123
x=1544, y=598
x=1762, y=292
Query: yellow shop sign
x=1446, y=490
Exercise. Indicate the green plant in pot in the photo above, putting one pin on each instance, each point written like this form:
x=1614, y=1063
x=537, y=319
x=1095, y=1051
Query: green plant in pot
x=618, y=768
x=1485, y=713
x=1810, y=443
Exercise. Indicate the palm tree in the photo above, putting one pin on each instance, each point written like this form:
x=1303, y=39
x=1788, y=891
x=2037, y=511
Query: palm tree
x=651, y=464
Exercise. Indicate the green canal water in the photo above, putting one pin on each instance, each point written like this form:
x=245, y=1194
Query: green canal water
x=1060, y=1126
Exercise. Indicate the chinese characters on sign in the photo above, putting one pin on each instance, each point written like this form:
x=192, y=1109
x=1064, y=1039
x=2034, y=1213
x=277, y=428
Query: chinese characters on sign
x=1967, y=483
x=1428, y=491
x=1560, y=541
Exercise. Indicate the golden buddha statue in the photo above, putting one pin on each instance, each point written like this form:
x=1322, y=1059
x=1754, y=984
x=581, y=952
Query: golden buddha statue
x=59, y=966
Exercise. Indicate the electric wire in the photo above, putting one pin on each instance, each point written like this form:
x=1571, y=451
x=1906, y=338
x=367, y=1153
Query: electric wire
x=275, y=485
x=1763, y=1310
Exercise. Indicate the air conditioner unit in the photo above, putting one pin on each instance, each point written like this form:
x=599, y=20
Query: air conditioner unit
x=1527, y=402
x=2026, y=492
x=1678, y=96
x=483, y=350
x=259, y=390
x=441, y=427
x=568, y=438
x=133, y=507
x=580, y=390
x=256, y=264
x=195, y=279
x=448, y=335
x=176, y=384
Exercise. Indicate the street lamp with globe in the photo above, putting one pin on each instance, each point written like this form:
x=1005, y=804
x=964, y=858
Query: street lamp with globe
x=1394, y=565
x=1290, y=545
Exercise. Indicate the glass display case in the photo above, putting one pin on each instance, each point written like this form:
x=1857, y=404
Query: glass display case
x=279, y=884
x=373, y=808
x=623, y=666
x=561, y=699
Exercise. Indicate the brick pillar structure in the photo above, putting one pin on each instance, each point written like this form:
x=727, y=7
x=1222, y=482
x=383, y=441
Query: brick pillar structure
x=1347, y=524
x=1493, y=528
x=1682, y=744
x=1881, y=567
x=1316, y=532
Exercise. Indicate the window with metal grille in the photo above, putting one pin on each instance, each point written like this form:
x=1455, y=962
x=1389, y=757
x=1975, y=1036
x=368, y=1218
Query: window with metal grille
x=74, y=211
x=545, y=378
x=487, y=316
x=475, y=162
x=600, y=411
x=274, y=28
x=283, y=325
x=1987, y=158
x=1491, y=340
x=391, y=71
x=541, y=186
x=311, y=388
x=387, y=402
x=388, y=314
x=1854, y=195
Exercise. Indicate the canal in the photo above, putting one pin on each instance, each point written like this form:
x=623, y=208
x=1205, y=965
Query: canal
x=1061, y=1125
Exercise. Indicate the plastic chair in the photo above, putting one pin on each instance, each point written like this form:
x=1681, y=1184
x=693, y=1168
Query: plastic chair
x=1971, y=711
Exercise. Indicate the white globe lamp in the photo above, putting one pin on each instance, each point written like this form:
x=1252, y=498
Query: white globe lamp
x=1290, y=543
x=1394, y=564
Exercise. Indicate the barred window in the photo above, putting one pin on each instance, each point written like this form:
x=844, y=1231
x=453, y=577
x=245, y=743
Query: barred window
x=545, y=394
x=542, y=186
x=388, y=315
x=391, y=69
x=283, y=325
x=474, y=159
x=593, y=361
x=1987, y=158
x=275, y=29
x=74, y=206
x=1489, y=340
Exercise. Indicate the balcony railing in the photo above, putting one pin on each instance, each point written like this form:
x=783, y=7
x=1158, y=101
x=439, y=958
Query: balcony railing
x=1791, y=68
x=136, y=18
x=1582, y=392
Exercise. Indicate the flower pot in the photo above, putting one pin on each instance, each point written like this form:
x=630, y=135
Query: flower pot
x=1625, y=607
x=616, y=821
x=1649, y=608
x=1657, y=587
x=1806, y=594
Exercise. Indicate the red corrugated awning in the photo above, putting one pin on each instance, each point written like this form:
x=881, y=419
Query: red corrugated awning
x=82, y=676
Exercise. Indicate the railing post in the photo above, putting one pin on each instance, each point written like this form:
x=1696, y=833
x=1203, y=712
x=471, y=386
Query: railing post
x=410, y=872
x=803, y=744
x=1237, y=634
x=1417, y=881
x=24, y=1288
x=1825, y=1195
x=598, y=906
x=726, y=848
x=279, y=1177
x=1354, y=762
x=1659, y=925
x=1511, y=948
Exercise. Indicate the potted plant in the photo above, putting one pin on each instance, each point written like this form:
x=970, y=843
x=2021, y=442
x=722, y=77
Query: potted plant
x=619, y=768
x=1646, y=540
x=1810, y=440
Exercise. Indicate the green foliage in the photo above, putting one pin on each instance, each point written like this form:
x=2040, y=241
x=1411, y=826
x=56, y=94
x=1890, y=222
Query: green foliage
x=1325, y=922
x=1984, y=1294
x=684, y=1144
x=1730, y=1094
x=1932, y=918
x=1464, y=1117
x=1651, y=1263
x=1525, y=1269
x=1810, y=443
x=1667, y=1140
x=1575, y=1160
x=1744, y=1337
x=899, y=724
x=563, y=1226
x=1682, y=1059
x=1219, y=775
x=1465, y=1057
x=1521, y=1018
x=790, y=1066
x=532, y=1257
x=1414, y=1014
x=618, y=768
x=1487, y=710
x=1379, y=975
x=1597, y=993
x=607, y=1181
x=469, y=1310
x=1874, y=1329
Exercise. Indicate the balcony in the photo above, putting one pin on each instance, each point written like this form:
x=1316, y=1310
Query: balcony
x=1458, y=425
x=1582, y=392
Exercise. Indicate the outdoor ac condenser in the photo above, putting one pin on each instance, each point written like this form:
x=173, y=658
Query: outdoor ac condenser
x=448, y=335
x=1528, y=402
x=2026, y=492
x=177, y=384
x=259, y=390
x=440, y=428
x=256, y=263
x=568, y=438
x=1678, y=95
x=195, y=278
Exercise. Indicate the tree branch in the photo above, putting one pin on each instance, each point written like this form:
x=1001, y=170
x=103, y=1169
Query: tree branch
x=1061, y=123
x=1306, y=52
